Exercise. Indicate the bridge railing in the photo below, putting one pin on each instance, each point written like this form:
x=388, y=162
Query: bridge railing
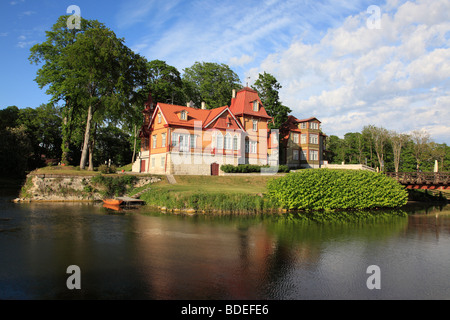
x=431, y=178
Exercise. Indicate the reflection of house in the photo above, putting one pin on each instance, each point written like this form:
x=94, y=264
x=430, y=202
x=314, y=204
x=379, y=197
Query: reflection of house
x=302, y=143
x=189, y=140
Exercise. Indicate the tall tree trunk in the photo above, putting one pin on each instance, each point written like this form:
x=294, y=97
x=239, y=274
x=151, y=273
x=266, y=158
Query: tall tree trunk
x=66, y=134
x=134, y=147
x=87, y=135
x=91, y=149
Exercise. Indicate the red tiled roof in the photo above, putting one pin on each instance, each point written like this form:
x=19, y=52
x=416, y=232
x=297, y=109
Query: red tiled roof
x=243, y=104
x=206, y=117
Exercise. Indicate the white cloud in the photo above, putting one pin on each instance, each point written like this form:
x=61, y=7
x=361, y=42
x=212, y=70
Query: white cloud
x=241, y=61
x=354, y=76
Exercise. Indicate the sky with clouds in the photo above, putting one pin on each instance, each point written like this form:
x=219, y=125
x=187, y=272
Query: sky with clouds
x=348, y=63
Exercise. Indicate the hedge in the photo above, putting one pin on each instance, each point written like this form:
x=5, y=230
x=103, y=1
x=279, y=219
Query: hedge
x=328, y=189
x=249, y=168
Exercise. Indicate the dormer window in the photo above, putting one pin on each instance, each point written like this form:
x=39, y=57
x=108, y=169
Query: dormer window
x=255, y=106
x=183, y=115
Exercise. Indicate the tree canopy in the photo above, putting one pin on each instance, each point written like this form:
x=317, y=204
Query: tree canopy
x=267, y=87
x=211, y=83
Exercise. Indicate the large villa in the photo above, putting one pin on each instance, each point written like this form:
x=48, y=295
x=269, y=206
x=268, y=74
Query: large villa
x=189, y=140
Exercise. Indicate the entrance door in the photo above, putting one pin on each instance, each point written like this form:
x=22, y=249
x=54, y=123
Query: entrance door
x=142, y=166
x=214, y=169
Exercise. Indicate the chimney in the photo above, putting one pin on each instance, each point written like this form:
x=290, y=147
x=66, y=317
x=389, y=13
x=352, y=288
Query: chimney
x=233, y=94
x=203, y=105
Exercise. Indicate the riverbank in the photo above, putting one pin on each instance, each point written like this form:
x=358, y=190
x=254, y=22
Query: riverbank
x=59, y=184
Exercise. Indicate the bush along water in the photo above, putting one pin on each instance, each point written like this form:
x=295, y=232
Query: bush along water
x=327, y=189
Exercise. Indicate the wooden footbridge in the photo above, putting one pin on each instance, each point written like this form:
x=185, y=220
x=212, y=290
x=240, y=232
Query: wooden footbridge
x=422, y=180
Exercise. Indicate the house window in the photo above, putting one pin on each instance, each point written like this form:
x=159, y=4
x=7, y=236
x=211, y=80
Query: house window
x=154, y=141
x=235, y=143
x=163, y=159
x=295, y=154
x=163, y=143
x=295, y=137
x=255, y=125
x=314, y=125
x=175, y=139
x=303, y=138
x=313, y=155
x=153, y=162
x=303, y=155
x=255, y=106
x=303, y=125
x=314, y=139
x=184, y=143
x=219, y=141
x=183, y=115
x=193, y=141
x=247, y=146
x=159, y=117
x=253, y=147
x=227, y=142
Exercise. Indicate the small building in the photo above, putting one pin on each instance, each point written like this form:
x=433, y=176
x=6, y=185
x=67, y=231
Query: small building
x=302, y=143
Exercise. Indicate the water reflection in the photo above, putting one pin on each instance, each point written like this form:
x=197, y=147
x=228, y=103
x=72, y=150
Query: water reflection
x=140, y=254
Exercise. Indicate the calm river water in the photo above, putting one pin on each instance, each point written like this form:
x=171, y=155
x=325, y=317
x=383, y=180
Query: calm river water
x=139, y=254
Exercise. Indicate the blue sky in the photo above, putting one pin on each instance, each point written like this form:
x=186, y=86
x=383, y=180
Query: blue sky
x=339, y=61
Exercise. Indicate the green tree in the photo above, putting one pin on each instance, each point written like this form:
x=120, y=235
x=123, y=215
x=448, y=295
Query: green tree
x=43, y=128
x=92, y=70
x=9, y=117
x=267, y=87
x=15, y=150
x=164, y=82
x=211, y=83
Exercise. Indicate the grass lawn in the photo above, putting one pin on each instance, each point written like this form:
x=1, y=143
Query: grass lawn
x=64, y=170
x=217, y=184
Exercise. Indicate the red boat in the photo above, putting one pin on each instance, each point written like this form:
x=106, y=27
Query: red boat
x=113, y=202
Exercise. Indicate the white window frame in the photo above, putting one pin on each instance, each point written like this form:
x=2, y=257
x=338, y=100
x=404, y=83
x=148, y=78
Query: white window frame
x=295, y=154
x=313, y=155
x=295, y=137
x=193, y=142
x=314, y=125
x=228, y=142
x=163, y=138
x=314, y=139
x=153, y=162
x=304, y=125
x=219, y=141
x=253, y=147
x=235, y=142
x=303, y=138
x=255, y=125
x=159, y=117
x=163, y=160
x=183, y=115
x=255, y=106
x=154, y=141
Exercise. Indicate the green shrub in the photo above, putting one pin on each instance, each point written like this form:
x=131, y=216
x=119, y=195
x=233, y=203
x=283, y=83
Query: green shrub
x=103, y=168
x=326, y=189
x=249, y=168
x=114, y=186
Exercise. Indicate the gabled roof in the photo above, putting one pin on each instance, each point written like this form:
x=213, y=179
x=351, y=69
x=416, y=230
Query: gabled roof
x=243, y=104
x=206, y=117
x=305, y=120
